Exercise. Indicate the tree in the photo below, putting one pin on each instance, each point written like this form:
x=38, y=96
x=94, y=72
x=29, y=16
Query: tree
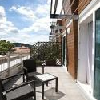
x=5, y=46
x=46, y=51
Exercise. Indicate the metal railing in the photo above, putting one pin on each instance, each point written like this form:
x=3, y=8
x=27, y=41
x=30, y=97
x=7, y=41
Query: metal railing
x=9, y=61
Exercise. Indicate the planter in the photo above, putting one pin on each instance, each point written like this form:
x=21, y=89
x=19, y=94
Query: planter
x=38, y=62
x=50, y=62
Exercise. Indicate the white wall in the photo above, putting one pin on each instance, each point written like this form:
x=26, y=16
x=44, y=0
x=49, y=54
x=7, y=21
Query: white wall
x=82, y=53
x=85, y=49
x=85, y=17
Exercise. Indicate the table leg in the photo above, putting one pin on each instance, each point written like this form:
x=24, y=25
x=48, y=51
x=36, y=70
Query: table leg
x=34, y=92
x=42, y=69
x=56, y=89
x=47, y=83
x=42, y=91
x=23, y=78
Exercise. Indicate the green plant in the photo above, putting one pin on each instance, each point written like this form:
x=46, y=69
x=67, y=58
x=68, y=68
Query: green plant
x=5, y=46
x=38, y=62
x=51, y=51
x=46, y=51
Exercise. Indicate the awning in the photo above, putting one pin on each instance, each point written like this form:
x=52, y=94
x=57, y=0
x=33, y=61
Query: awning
x=56, y=11
x=56, y=6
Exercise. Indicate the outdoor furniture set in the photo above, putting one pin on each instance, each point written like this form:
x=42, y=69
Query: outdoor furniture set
x=19, y=92
x=27, y=88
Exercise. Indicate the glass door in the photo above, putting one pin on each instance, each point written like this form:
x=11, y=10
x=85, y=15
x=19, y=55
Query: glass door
x=97, y=56
x=63, y=50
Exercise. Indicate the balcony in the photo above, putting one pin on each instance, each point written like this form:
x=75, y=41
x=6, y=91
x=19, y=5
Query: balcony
x=67, y=87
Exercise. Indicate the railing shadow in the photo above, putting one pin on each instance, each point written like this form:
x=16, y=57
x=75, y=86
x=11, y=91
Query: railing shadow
x=12, y=82
x=52, y=95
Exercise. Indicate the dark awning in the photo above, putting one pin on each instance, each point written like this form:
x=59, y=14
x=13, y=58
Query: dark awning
x=56, y=11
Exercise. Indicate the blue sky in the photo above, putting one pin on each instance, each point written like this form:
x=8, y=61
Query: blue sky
x=25, y=21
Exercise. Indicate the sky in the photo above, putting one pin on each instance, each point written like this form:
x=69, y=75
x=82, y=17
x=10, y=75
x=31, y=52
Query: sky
x=24, y=21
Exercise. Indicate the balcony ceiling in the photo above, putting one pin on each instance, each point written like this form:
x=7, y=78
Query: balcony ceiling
x=56, y=10
x=56, y=6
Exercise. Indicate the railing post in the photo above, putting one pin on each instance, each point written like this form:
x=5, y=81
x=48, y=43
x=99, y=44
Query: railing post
x=8, y=62
x=21, y=58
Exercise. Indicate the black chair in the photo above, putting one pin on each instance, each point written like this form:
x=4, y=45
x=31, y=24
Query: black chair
x=30, y=69
x=19, y=92
x=31, y=73
x=30, y=65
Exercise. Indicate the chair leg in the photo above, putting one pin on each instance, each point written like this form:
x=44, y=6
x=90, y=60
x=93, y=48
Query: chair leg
x=46, y=83
x=42, y=91
x=23, y=78
x=4, y=97
x=34, y=95
x=34, y=92
x=56, y=89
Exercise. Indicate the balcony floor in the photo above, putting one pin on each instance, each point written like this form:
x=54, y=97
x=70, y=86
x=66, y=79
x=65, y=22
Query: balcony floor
x=68, y=89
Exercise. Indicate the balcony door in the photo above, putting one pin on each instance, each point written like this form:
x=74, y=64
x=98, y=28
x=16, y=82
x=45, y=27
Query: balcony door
x=85, y=49
x=97, y=56
x=64, y=51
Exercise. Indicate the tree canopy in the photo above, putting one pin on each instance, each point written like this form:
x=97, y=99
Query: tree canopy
x=5, y=46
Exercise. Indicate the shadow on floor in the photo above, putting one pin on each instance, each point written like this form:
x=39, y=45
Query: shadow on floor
x=11, y=82
x=52, y=95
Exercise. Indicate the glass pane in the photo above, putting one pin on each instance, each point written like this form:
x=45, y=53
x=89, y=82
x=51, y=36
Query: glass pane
x=97, y=56
x=63, y=51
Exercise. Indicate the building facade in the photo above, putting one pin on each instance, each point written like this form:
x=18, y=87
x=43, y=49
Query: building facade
x=83, y=43
x=88, y=46
x=69, y=7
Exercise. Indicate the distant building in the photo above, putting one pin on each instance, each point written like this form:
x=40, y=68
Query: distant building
x=22, y=49
x=21, y=44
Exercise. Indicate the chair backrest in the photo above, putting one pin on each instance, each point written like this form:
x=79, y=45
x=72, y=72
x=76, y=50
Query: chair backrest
x=30, y=64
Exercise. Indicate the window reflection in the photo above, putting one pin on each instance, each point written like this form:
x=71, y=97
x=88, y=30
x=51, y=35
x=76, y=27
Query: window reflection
x=97, y=56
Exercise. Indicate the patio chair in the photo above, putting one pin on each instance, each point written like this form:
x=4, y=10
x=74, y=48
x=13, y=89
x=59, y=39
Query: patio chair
x=31, y=73
x=19, y=92
x=30, y=69
x=29, y=66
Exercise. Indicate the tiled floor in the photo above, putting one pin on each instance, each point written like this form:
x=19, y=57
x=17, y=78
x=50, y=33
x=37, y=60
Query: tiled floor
x=68, y=89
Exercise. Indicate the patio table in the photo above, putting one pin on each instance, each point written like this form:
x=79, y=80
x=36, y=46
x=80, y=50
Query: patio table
x=46, y=77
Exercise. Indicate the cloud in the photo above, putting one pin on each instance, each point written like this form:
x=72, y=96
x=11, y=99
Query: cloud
x=2, y=15
x=34, y=38
x=6, y=27
x=38, y=26
x=26, y=38
x=40, y=23
x=45, y=1
x=25, y=11
x=37, y=31
x=42, y=10
x=48, y=2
